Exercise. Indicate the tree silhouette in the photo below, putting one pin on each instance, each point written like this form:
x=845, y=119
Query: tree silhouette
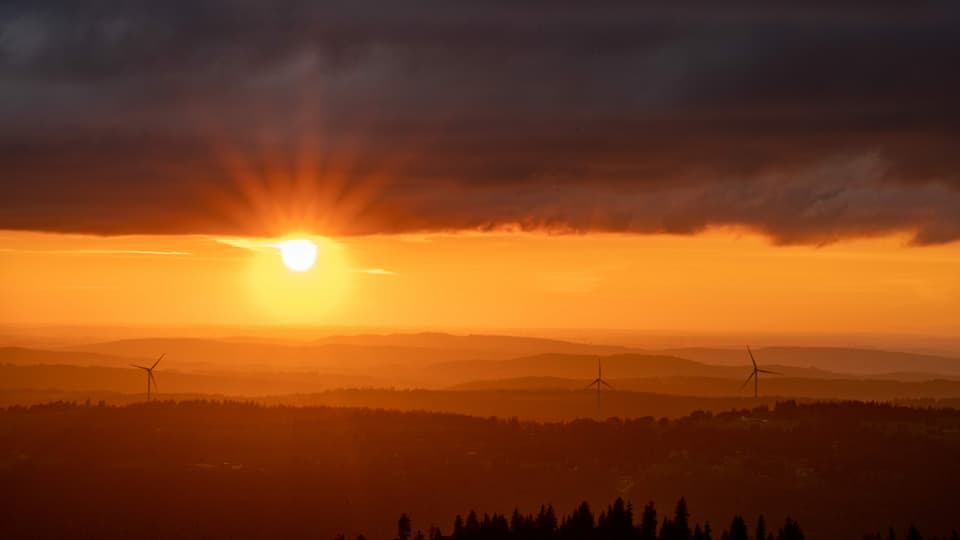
x=738, y=529
x=761, y=533
x=666, y=529
x=403, y=527
x=681, y=524
x=580, y=524
x=471, y=529
x=617, y=522
x=546, y=523
x=521, y=526
x=648, y=523
x=790, y=531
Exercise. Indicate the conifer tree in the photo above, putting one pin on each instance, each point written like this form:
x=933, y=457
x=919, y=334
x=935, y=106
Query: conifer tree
x=403, y=527
x=618, y=524
x=648, y=523
x=738, y=529
x=681, y=521
x=666, y=529
x=790, y=531
x=761, y=533
x=472, y=527
x=516, y=522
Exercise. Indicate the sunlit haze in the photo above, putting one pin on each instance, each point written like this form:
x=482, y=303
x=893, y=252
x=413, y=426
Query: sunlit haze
x=716, y=281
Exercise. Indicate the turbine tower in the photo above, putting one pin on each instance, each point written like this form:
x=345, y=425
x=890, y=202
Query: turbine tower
x=755, y=375
x=598, y=382
x=149, y=370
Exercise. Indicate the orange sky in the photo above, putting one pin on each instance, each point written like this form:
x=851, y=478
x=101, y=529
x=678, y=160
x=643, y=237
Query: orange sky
x=724, y=280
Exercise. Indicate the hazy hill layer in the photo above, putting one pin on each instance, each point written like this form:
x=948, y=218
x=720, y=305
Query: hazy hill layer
x=614, y=366
x=794, y=387
x=531, y=398
x=836, y=359
x=457, y=358
x=238, y=368
x=231, y=355
x=20, y=356
x=346, y=353
x=133, y=381
x=501, y=345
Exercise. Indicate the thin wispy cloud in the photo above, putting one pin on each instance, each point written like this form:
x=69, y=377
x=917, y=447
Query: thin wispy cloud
x=149, y=252
x=375, y=271
x=246, y=243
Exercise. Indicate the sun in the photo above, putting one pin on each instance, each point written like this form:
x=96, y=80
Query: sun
x=297, y=254
x=311, y=284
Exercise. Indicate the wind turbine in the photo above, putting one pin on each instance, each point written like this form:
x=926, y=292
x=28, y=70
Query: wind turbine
x=149, y=370
x=599, y=381
x=755, y=375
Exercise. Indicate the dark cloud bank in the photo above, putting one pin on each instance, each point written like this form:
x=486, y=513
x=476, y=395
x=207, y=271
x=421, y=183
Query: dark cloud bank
x=810, y=121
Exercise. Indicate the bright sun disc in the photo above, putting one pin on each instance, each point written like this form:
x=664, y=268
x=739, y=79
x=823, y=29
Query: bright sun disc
x=298, y=255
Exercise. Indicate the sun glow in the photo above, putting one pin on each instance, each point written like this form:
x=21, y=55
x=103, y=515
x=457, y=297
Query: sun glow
x=310, y=284
x=298, y=255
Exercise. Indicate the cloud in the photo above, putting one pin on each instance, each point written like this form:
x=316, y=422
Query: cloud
x=376, y=271
x=247, y=244
x=149, y=252
x=809, y=122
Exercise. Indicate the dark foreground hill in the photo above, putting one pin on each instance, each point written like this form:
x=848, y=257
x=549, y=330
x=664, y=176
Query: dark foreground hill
x=208, y=470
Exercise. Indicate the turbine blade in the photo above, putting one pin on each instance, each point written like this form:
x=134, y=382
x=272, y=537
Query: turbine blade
x=770, y=372
x=746, y=382
x=751, y=357
x=141, y=367
x=605, y=383
x=595, y=381
x=154, y=379
x=158, y=360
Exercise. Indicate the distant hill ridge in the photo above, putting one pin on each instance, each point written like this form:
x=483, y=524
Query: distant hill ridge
x=440, y=347
x=836, y=359
x=436, y=359
x=614, y=366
